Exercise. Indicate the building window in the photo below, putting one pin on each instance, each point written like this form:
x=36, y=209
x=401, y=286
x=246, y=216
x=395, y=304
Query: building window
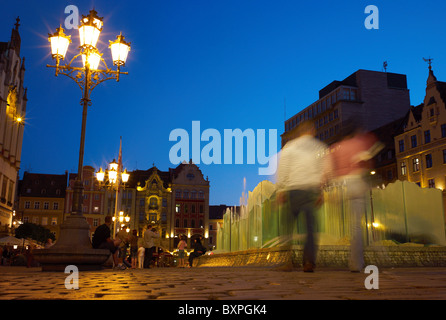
x=46, y=205
x=428, y=161
x=431, y=183
x=28, y=203
x=96, y=196
x=95, y=222
x=427, y=136
x=54, y=221
x=413, y=140
x=193, y=208
x=192, y=223
x=193, y=194
x=177, y=223
x=416, y=164
x=401, y=145
x=177, y=208
x=201, y=208
x=403, y=168
x=185, y=223
x=178, y=194
x=44, y=221
x=186, y=208
x=55, y=205
x=443, y=130
x=186, y=194
x=96, y=209
x=36, y=205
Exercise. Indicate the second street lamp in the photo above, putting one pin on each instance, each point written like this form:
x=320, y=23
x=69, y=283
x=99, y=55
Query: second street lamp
x=113, y=179
x=74, y=245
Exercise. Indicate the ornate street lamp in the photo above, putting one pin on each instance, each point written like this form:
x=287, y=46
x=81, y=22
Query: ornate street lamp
x=73, y=245
x=113, y=179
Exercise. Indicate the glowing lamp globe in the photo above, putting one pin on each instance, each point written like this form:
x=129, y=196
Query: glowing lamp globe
x=59, y=43
x=90, y=29
x=120, y=50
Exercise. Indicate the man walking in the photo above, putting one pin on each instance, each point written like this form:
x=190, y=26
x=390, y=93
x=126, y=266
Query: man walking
x=303, y=168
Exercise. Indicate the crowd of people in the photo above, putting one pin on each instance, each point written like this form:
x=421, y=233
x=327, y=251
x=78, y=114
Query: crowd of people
x=129, y=250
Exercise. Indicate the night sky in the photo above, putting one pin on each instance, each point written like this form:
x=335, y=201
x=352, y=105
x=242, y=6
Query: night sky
x=228, y=64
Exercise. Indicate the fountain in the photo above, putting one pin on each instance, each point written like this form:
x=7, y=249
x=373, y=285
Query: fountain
x=398, y=219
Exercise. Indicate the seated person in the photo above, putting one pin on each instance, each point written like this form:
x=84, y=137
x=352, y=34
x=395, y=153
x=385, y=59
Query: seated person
x=198, y=250
x=102, y=240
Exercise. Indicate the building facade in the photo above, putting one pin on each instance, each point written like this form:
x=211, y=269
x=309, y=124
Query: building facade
x=421, y=148
x=42, y=200
x=175, y=202
x=215, y=222
x=13, y=99
x=371, y=98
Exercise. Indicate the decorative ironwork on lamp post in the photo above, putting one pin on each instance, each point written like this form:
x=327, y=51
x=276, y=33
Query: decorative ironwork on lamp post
x=88, y=76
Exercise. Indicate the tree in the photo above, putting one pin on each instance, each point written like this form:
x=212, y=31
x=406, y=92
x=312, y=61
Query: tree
x=34, y=231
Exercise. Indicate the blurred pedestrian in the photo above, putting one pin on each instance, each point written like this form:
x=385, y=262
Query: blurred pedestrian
x=181, y=253
x=141, y=251
x=48, y=243
x=133, y=241
x=352, y=162
x=149, y=235
x=29, y=256
x=302, y=170
x=123, y=235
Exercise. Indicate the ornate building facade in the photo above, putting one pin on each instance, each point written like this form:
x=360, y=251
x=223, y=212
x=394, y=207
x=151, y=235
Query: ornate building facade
x=13, y=101
x=175, y=202
x=421, y=147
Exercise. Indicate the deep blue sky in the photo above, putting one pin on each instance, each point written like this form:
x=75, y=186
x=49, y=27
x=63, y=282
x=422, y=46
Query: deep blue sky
x=229, y=64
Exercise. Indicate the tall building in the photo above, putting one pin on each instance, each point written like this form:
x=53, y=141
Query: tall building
x=370, y=97
x=42, y=199
x=13, y=101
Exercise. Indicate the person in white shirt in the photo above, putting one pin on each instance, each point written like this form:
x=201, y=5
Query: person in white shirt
x=304, y=166
x=149, y=245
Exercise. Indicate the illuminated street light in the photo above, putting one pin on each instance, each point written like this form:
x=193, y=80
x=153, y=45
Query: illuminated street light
x=113, y=179
x=74, y=245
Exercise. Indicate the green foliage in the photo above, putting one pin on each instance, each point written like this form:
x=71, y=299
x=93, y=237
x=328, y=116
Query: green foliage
x=34, y=231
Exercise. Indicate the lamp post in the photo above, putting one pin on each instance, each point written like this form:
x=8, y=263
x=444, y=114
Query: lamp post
x=114, y=179
x=74, y=245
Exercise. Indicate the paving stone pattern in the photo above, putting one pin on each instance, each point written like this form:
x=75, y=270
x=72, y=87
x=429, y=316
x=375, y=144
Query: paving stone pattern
x=223, y=283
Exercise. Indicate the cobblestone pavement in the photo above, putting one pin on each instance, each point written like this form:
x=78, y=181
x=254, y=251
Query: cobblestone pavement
x=223, y=283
